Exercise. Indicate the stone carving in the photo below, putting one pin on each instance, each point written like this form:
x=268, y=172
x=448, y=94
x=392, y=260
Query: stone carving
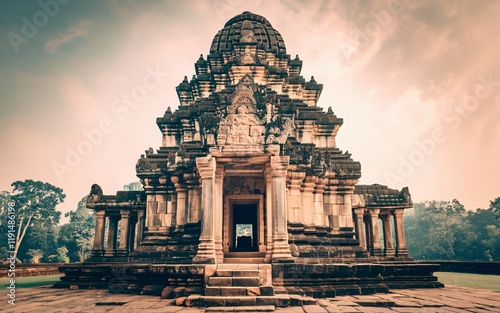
x=242, y=126
x=279, y=130
x=247, y=34
x=95, y=193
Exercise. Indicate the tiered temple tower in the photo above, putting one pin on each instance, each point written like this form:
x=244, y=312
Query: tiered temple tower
x=249, y=172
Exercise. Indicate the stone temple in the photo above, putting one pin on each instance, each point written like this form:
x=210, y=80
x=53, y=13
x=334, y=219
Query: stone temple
x=249, y=200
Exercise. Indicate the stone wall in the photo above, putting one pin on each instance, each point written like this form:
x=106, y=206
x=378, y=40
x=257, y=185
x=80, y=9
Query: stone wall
x=27, y=270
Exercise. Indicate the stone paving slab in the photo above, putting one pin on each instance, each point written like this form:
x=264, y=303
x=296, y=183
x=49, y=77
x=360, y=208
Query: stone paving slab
x=447, y=300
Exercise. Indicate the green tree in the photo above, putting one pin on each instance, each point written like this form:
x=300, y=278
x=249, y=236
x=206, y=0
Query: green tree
x=486, y=245
x=437, y=230
x=4, y=208
x=495, y=207
x=77, y=236
x=36, y=255
x=40, y=236
x=134, y=186
x=35, y=203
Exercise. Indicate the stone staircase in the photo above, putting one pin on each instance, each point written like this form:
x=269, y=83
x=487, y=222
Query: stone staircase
x=238, y=285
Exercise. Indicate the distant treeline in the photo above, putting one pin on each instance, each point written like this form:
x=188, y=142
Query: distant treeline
x=444, y=230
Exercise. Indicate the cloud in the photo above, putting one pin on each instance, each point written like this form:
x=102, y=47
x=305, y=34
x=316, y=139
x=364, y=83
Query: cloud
x=79, y=30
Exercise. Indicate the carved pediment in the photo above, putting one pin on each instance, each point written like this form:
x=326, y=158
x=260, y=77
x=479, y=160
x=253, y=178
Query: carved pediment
x=242, y=125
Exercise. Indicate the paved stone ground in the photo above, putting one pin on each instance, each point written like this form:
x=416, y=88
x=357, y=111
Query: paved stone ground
x=449, y=299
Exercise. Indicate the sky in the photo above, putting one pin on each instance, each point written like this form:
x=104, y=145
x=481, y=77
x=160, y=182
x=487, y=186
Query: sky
x=416, y=82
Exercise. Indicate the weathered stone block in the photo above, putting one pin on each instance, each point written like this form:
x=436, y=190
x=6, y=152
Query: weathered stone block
x=246, y=273
x=212, y=291
x=253, y=291
x=267, y=291
x=233, y=291
x=267, y=301
x=224, y=273
x=246, y=281
x=220, y=281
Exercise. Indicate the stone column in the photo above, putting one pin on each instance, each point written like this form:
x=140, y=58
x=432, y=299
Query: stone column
x=346, y=210
x=131, y=233
x=307, y=200
x=360, y=227
x=193, y=202
x=334, y=201
x=206, y=248
x=281, y=249
x=218, y=212
x=269, y=213
x=181, y=191
x=153, y=221
x=375, y=232
x=388, y=244
x=99, y=230
x=140, y=227
x=401, y=249
x=368, y=233
x=295, y=181
x=124, y=229
x=112, y=232
x=319, y=189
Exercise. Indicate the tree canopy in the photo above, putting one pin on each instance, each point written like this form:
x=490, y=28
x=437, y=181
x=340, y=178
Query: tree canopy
x=35, y=206
x=445, y=230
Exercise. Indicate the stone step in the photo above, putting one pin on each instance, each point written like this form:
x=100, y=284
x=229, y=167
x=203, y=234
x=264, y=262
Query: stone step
x=244, y=260
x=234, y=281
x=237, y=273
x=239, y=291
x=215, y=301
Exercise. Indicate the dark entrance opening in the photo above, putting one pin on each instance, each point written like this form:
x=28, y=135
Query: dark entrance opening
x=244, y=228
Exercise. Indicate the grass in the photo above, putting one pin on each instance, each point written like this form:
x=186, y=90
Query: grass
x=491, y=282
x=27, y=282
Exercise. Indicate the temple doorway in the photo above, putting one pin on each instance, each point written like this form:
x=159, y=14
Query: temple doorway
x=244, y=227
x=243, y=224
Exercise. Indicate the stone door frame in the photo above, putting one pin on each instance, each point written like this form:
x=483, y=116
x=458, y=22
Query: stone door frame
x=227, y=233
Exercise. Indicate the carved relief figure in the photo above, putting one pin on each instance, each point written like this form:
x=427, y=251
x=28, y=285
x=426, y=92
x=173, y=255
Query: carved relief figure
x=242, y=126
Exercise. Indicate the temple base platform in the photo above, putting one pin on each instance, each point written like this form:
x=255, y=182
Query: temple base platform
x=231, y=284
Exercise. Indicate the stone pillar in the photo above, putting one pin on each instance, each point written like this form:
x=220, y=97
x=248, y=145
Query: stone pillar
x=269, y=213
x=131, y=233
x=99, y=230
x=218, y=212
x=346, y=211
x=193, y=202
x=388, y=244
x=281, y=249
x=166, y=218
x=401, y=249
x=112, y=232
x=368, y=232
x=295, y=181
x=334, y=200
x=360, y=227
x=124, y=229
x=375, y=232
x=153, y=221
x=181, y=191
x=319, y=189
x=206, y=248
x=307, y=200
x=140, y=227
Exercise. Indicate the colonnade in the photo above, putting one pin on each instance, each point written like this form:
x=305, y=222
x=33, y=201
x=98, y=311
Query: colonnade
x=369, y=233
x=131, y=230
